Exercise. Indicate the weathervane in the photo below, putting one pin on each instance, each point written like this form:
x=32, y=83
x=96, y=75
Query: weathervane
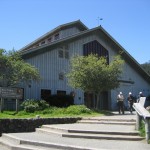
x=98, y=20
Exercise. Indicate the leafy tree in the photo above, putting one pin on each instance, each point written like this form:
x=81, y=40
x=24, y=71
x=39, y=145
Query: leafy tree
x=146, y=67
x=94, y=74
x=14, y=70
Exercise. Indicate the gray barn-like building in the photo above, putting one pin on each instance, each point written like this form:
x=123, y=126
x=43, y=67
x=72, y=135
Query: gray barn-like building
x=51, y=54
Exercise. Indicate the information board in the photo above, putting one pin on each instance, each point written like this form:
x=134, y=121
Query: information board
x=6, y=92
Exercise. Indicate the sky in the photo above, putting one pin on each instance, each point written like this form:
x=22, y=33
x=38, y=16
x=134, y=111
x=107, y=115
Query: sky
x=127, y=21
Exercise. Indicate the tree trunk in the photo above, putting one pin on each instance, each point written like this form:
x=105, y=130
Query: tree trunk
x=97, y=100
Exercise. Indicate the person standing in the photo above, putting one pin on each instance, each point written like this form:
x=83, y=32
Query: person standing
x=120, y=101
x=139, y=96
x=130, y=102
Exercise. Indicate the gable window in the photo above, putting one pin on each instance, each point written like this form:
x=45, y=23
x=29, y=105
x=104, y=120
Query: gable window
x=49, y=39
x=56, y=37
x=43, y=42
x=63, y=52
x=95, y=47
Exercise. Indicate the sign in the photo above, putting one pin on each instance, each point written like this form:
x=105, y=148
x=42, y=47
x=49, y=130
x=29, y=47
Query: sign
x=6, y=92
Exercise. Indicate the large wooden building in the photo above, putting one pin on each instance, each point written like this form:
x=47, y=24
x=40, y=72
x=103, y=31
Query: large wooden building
x=51, y=53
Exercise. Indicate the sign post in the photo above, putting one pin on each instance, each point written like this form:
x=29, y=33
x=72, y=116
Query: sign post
x=14, y=93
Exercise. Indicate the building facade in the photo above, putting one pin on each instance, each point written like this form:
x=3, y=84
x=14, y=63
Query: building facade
x=52, y=52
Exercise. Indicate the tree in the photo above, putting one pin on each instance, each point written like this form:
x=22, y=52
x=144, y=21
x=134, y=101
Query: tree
x=94, y=74
x=13, y=69
x=146, y=67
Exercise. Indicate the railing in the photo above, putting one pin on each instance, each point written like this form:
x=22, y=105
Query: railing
x=142, y=115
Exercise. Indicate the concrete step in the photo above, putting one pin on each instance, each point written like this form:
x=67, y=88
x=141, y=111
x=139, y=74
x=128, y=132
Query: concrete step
x=131, y=136
x=106, y=122
x=59, y=130
x=109, y=134
x=10, y=142
x=103, y=136
x=110, y=119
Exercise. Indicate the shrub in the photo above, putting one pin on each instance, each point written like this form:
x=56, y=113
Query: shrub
x=31, y=105
x=78, y=109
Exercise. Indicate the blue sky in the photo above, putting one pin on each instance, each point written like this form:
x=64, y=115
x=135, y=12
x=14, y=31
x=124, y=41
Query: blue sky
x=127, y=21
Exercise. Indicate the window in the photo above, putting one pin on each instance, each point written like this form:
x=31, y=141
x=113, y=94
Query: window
x=36, y=45
x=43, y=42
x=45, y=94
x=49, y=39
x=59, y=92
x=66, y=54
x=63, y=52
x=95, y=47
x=61, y=76
x=60, y=53
x=56, y=37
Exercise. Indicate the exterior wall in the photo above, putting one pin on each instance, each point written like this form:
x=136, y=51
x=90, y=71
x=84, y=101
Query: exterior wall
x=129, y=74
x=68, y=32
x=50, y=65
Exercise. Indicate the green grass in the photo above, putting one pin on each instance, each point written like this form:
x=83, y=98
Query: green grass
x=142, y=129
x=51, y=112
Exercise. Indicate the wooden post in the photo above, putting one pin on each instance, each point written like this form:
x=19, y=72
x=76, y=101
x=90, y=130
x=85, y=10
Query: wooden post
x=1, y=105
x=147, y=129
x=16, y=105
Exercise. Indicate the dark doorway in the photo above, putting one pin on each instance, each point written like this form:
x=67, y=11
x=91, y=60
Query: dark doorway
x=45, y=94
x=90, y=100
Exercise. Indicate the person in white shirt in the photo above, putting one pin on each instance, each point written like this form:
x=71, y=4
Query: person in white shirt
x=120, y=102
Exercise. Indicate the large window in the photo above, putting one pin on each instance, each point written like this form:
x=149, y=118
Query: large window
x=95, y=47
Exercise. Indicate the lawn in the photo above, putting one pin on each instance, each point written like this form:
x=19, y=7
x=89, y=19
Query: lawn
x=52, y=112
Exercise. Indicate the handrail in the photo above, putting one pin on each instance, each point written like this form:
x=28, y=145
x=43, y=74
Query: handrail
x=142, y=113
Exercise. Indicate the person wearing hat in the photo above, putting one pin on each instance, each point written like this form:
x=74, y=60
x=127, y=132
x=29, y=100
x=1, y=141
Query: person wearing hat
x=140, y=95
x=120, y=102
x=130, y=102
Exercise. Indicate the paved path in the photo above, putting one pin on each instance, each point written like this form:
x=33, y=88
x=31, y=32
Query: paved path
x=90, y=143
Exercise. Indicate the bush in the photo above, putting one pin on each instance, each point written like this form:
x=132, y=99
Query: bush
x=60, y=100
x=32, y=105
x=78, y=109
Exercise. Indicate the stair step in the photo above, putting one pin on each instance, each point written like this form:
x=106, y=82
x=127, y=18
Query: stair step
x=61, y=131
x=110, y=119
x=103, y=136
x=106, y=122
x=9, y=143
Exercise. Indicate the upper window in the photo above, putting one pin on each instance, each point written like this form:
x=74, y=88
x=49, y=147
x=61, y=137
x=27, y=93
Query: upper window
x=63, y=52
x=43, y=42
x=49, y=39
x=95, y=47
x=56, y=37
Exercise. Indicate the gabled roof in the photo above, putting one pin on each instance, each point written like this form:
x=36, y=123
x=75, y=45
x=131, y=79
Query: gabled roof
x=77, y=23
x=98, y=31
